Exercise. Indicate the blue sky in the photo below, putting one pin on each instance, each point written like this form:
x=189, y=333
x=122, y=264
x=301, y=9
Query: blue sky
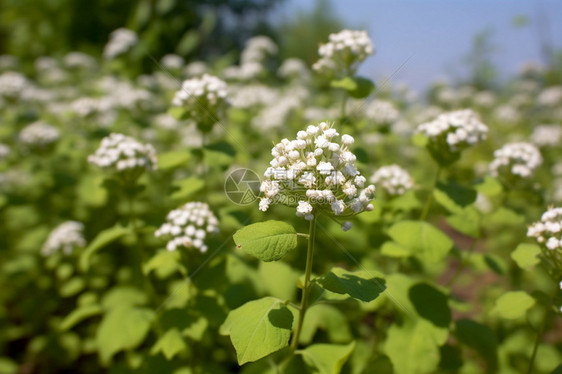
x=434, y=35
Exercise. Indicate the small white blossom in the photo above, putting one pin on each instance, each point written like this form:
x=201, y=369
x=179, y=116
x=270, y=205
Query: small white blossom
x=39, y=134
x=172, y=61
x=548, y=234
x=12, y=84
x=120, y=41
x=119, y=153
x=294, y=68
x=516, y=159
x=64, y=238
x=344, y=52
x=4, y=151
x=382, y=112
x=547, y=135
x=454, y=131
x=188, y=226
x=393, y=179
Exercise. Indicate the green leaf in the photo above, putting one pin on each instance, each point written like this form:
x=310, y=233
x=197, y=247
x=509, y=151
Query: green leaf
x=258, y=328
x=454, y=197
x=346, y=83
x=164, y=263
x=431, y=304
x=104, y=238
x=424, y=240
x=327, y=358
x=361, y=285
x=8, y=366
x=327, y=318
x=268, y=241
x=80, y=314
x=272, y=272
x=364, y=88
x=526, y=255
x=122, y=328
x=489, y=186
x=72, y=287
x=186, y=188
x=123, y=295
x=413, y=348
x=170, y=344
x=513, y=305
x=466, y=221
x=480, y=338
x=392, y=249
x=172, y=160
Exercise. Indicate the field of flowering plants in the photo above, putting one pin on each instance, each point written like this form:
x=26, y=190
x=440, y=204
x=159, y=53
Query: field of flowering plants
x=271, y=216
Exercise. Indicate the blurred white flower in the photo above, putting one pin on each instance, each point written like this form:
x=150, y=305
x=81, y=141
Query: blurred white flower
x=507, y=113
x=316, y=172
x=4, y=150
x=382, y=112
x=39, y=134
x=79, y=60
x=195, y=69
x=64, y=238
x=393, y=179
x=294, y=68
x=12, y=84
x=515, y=159
x=188, y=226
x=257, y=49
x=120, y=41
x=119, y=153
x=207, y=91
x=550, y=96
x=172, y=61
x=547, y=135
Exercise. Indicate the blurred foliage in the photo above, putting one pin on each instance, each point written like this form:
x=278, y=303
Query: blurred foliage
x=30, y=28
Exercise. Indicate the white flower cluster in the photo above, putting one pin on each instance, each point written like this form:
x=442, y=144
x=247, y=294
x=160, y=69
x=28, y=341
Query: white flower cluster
x=455, y=130
x=548, y=231
x=120, y=41
x=507, y=113
x=294, y=68
x=12, y=84
x=257, y=49
x=64, y=238
x=315, y=172
x=119, y=152
x=200, y=95
x=516, y=159
x=547, y=135
x=343, y=52
x=39, y=134
x=550, y=97
x=393, y=179
x=4, y=150
x=382, y=112
x=79, y=60
x=172, y=61
x=195, y=69
x=188, y=226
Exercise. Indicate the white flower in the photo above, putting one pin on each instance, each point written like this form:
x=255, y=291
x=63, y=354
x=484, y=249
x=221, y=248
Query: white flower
x=203, y=97
x=382, y=112
x=64, y=238
x=39, y=134
x=346, y=226
x=454, y=131
x=515, y=159
x=12, y=84
x=548, y=231
x=172, y=61
x=118, y=153
x=4, y=150
x=393, y=179
x=318, y=172
x=188, y=226
x=75, y=60
x=547, y=135
x=294, y=68
x=195, y=69
x=344, y=52
x=257, y=49
x=120, y=41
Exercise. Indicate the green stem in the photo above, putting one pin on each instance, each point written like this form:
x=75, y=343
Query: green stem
x=306, y=287
x=343, y=105
x=425, y=211
x=535, y=348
